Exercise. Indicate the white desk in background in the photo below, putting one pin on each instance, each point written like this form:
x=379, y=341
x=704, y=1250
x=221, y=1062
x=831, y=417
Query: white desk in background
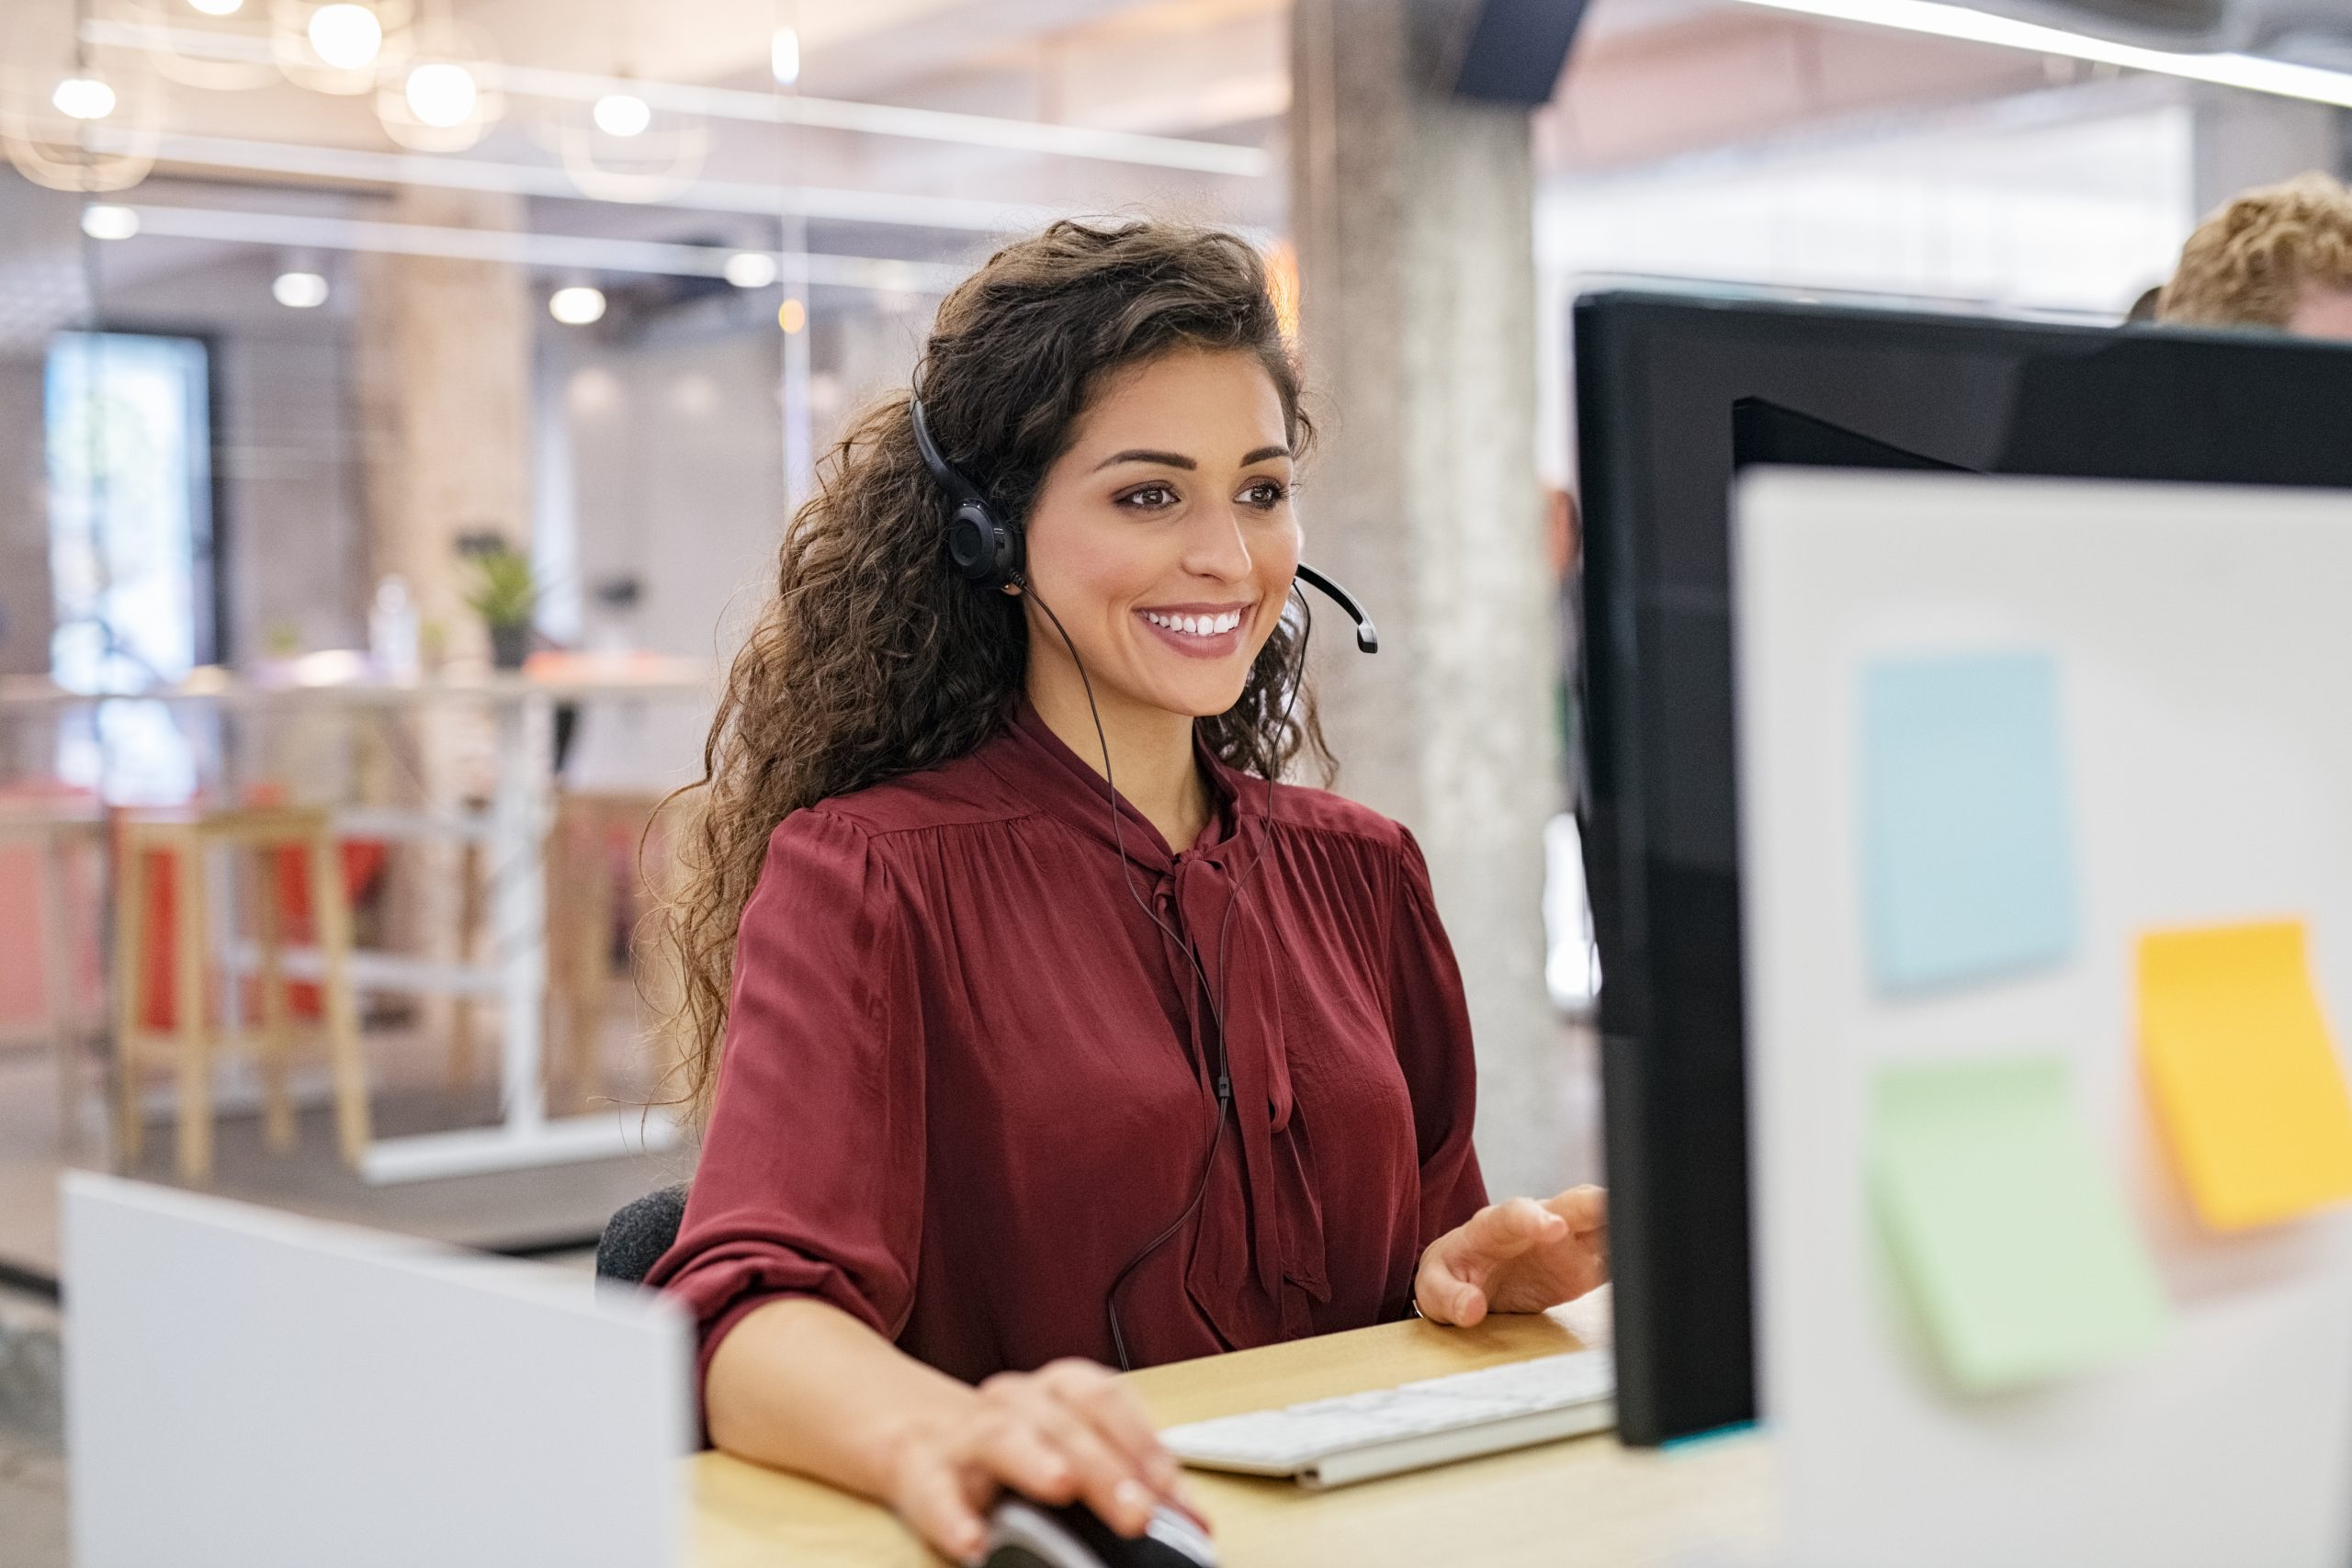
x=513, y=832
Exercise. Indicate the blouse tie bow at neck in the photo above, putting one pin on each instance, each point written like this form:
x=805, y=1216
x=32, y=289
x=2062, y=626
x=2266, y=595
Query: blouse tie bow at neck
x=1253, y=1030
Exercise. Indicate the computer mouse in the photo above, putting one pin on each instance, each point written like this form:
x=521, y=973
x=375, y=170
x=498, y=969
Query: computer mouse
x=1022, y=1534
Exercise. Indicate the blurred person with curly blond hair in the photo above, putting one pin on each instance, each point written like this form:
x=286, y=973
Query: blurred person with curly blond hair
x=2277, y=256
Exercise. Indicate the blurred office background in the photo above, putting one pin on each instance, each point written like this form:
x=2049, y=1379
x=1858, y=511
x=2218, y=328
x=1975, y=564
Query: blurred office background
x=331, y=333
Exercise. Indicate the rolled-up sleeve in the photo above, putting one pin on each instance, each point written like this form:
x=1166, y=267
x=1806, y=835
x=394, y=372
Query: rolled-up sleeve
x=810, y=1181
x=1431, y=1024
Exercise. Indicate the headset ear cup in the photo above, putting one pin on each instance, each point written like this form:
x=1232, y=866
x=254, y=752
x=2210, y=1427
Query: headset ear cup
x=984, y=551
x=971, y=542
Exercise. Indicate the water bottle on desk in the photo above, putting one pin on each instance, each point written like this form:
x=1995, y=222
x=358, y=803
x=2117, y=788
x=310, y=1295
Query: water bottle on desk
x=392, y=629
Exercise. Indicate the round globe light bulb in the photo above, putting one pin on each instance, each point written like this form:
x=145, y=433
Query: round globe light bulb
x=442, y=95
x=577, y=305
x=792, y=315
x=344, y=35
x=82, y=97
x=299, y=290
x=751, y=269
x=107, y=221
x=622, y=113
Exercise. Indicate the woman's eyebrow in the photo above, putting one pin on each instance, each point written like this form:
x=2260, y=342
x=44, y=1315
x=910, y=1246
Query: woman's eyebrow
x=1140, y=455
x=1178, y=460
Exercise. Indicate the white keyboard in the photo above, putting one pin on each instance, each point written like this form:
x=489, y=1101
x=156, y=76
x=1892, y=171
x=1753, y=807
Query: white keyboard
x=1331, y=1442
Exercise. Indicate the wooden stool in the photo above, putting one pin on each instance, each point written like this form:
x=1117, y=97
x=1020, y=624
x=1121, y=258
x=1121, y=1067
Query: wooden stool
x=586, y=893
x=471, y=900
x=193, y=1038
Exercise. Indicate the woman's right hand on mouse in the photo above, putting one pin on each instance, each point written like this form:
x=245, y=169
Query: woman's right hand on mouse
x=1068, y=1432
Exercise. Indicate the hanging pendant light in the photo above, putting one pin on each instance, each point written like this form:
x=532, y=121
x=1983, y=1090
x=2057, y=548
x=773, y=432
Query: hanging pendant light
x=75, y=114
x=344, y=47
x=444, y=97
x=624, y=147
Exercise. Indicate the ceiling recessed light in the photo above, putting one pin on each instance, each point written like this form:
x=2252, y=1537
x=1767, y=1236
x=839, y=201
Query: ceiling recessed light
x=299, y=290
x=216, y=7
x=751, y=269
x=107, y=221
x=622, y=113
x=784, y=57
x=577, y=305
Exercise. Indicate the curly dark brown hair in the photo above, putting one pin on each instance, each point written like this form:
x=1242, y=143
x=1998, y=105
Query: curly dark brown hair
x=875, y=658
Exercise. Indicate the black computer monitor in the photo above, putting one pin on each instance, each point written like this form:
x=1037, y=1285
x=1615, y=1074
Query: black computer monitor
x=1674, y=390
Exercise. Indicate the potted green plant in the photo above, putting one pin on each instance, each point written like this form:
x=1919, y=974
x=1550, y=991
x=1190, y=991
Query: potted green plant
x=506, y=595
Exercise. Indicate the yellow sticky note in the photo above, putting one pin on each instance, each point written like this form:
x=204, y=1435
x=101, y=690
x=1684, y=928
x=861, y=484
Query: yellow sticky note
x=2245, y=1081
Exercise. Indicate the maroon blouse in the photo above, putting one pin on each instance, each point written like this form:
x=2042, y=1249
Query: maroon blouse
x=966, y=1078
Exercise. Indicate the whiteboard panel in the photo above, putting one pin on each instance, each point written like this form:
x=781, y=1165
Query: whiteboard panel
x=2203, y=637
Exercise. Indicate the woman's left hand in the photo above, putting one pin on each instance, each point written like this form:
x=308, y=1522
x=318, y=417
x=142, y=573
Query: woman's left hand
x=1522, y=1256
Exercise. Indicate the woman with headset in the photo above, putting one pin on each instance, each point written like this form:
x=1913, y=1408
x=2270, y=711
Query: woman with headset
x=1036, y=1026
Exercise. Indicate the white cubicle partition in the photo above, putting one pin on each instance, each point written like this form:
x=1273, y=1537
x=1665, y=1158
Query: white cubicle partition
x=247, y=1389
x=2202, y=640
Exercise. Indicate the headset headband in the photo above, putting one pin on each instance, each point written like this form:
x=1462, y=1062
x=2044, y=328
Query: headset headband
x=961, y=490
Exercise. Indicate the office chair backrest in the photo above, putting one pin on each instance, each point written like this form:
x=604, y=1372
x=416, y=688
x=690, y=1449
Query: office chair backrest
x=636, y=1237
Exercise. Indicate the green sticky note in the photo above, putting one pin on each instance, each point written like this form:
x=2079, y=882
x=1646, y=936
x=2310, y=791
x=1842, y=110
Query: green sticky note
x=2004, y=1222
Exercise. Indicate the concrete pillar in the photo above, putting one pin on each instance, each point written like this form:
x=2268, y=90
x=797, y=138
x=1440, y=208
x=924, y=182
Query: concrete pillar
x=444, y=363
x=1413, y=216
x=446, y=389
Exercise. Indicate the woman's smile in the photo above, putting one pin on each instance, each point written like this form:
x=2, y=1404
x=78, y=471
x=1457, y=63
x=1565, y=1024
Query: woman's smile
x=1200, y=631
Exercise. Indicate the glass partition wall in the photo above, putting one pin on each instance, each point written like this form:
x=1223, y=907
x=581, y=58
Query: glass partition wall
x=403, y=400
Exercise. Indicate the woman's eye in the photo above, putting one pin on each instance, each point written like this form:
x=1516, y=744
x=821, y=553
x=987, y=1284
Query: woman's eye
x=1149, y=497
x=1265, y=494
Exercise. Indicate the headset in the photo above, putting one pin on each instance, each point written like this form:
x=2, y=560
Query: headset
x=988, y=551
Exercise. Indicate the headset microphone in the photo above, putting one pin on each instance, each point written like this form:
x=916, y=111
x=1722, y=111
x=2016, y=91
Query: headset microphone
x=1367, y=635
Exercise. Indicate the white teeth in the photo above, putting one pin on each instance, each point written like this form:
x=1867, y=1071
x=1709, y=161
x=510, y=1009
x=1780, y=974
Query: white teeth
x=1196, y=625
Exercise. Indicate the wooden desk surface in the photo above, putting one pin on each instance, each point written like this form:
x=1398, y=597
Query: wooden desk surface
x=1585, y=1500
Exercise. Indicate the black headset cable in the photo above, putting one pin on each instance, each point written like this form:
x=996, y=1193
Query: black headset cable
x=1211, y=994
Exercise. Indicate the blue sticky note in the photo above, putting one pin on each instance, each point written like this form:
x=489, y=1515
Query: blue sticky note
x=1967, y=864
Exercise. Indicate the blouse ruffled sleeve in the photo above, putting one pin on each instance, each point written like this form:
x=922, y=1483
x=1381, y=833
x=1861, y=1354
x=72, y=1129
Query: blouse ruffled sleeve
x=810, y=1181
x=1431, y=1024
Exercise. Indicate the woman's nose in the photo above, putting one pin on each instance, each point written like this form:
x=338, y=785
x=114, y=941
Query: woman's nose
x=1218, y=549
